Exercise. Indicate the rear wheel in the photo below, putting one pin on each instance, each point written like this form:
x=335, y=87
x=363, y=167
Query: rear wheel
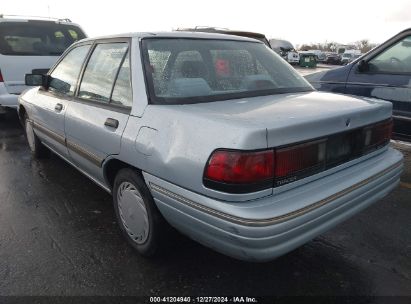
x=37, y=149
x=138, y=217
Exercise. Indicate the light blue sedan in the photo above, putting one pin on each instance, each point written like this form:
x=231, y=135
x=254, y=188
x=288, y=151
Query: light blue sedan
x=215, y=135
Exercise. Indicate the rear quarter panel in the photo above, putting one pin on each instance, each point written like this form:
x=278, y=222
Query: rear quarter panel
x=169, y=143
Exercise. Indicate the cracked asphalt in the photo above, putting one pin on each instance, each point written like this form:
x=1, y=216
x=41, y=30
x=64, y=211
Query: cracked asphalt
x=58, y=236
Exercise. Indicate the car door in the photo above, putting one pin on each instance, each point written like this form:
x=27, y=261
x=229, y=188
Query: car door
x=51, y=104
x=96, y=119
x=386, y=74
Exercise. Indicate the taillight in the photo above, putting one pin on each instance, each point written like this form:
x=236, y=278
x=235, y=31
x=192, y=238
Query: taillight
x=298, y=158
x=377, y=135
x=240, y=171
x=1, y=77
x=235, y=171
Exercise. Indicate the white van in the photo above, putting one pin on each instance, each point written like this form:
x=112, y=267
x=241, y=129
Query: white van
x=30, y=46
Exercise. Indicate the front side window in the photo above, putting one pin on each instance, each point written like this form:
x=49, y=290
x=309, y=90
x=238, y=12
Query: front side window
x=183, y=70
x=101, y=71
x=396, y=59
x=64, y=76
x=37, y=38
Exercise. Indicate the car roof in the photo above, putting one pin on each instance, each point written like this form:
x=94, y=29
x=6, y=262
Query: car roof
x=223, y=31
x=406, y=30
x=3, y=20
x=23, y=19
x=176, y=34
x=207, y=29
x=278, y=43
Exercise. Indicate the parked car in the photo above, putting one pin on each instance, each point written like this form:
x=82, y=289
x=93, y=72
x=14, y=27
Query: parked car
x=347, y=58
x=30, y=46
x=332, y=58
x=286, y=50
x=215, y=135
x=321, y=57
x=216, y=30
x=384, y=73
x=350, y=55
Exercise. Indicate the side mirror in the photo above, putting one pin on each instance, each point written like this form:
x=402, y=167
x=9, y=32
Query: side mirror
x=363, y=66
x=37, y=80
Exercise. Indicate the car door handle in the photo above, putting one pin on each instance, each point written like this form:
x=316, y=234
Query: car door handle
x=58, y=107
x=111, y=122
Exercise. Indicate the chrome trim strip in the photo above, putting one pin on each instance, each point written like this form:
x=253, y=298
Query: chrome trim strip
x=93, y=158
x=329, y=82
x=274, y=220
x=80, y=170
x=53, y=135
x=350, y=83
x=360, y=83
x=399, y=117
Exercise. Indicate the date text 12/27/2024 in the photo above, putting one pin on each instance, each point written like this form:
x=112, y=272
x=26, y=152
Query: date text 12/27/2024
x=239, y=299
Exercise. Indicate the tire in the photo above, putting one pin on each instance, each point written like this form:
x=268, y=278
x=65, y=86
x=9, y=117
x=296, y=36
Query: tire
x=37, y=149
x=140, y=221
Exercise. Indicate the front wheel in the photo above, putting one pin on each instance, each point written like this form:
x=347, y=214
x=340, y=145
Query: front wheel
x=37, y=149
x=138, y=217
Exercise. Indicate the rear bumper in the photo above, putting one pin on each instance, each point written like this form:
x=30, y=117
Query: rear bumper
x=6, y=99
x=293, y=60
x=269, y=227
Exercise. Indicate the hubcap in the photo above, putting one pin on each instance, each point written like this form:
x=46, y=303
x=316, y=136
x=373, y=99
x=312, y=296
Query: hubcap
x=133, y=212
x=30, y=135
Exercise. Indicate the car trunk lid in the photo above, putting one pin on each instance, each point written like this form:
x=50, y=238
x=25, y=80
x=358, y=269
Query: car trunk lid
x=293, y=118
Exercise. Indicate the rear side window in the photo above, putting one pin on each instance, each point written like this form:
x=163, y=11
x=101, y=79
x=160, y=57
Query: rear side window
x=122, y=89
x=37, y=38
x=101, y=71
x=64, y=76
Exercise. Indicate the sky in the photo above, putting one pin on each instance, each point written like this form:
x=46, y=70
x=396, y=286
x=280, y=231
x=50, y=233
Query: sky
x=294, y=20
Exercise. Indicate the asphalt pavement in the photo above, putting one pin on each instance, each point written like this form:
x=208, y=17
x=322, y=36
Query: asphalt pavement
x=58, y=236
x=320, y=67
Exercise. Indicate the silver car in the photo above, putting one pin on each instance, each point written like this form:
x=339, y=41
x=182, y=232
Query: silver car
x=214, y=135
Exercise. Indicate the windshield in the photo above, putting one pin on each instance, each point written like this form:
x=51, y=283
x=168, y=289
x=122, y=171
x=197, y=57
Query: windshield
x=37, y=38
x=180, y=71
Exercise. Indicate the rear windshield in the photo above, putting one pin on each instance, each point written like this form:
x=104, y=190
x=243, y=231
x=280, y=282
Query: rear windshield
x=37, y=38
x=181, y=70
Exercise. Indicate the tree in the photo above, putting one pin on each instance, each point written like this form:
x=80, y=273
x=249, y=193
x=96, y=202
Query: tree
x=364, y=45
